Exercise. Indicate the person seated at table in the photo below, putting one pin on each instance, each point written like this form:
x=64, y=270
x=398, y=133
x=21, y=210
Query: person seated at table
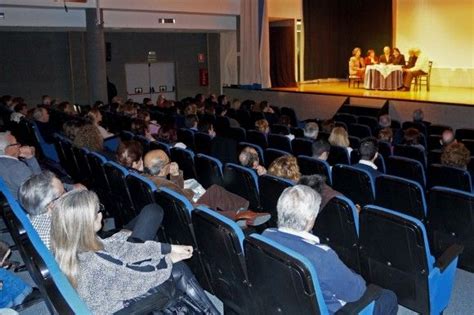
x=411, y=59
x=371, y=58
x=356, y=64
x=421, y=67
x=387, y=57
x=398, y=58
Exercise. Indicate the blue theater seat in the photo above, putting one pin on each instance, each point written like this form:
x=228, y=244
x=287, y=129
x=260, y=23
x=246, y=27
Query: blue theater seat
x=242, y=181
x=257, y=148
x=309, y=166
x=280, y=142
x=338, y=155
x=406, y=168
x=258, y=138
x=285, y=282
x=447, y=176
x=158, y=145
x=48, y=149
x=208, y=170
x=302, y=146
x=395, y=255
x=411, y=152
x=202, y=143
x=273, y=154
x=270, y=188
x=186, y=136
x=185, y=160
x=141, y=190
x=357, y=184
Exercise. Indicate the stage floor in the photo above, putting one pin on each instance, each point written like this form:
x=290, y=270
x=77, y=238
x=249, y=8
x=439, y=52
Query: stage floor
x=437, y=94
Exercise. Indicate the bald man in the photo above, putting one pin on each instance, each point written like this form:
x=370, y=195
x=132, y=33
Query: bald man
x=387, y=56
x=159, y=168
x=249, y=158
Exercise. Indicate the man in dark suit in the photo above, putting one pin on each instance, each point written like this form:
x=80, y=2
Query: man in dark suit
x=368, y=153
x=387, y=56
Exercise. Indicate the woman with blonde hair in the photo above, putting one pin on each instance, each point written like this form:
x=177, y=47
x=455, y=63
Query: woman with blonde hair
x=339, y=137
x=286, y=167
x=356, y=64
x=88, y=136
x=262, y=126
x=96, y=117
x=113, y=273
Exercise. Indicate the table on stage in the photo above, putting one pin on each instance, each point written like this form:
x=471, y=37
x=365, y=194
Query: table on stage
x=383, y=77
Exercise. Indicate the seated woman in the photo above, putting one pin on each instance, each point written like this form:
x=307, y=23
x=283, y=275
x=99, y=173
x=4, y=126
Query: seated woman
x=141, y=128
x=96, y=118
x=262, y=126
x=371, y=58
x=398, y=58
x=168, y=131
x=153, y=126
x=88, y=136
x=285, y=167
x=71, y=128
x=356, y=64
x=456, y=155
x=412, y=137
x=113, y=273
x=339, y=137
x=130, y=155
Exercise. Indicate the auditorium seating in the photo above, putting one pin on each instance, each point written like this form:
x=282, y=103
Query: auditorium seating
x=208, y=170
x=276, y=266
x=257, y=148
x=346, y=118
x=464, y=133
x=337, y=225
x=379, y=161
x=186, y=136
x=354, y=142
x=220, y=241
x=360, y=131
x=141, y=190
x=279, y=129
x=185, y=160
x=280, y=142
x=302, y=146
x=143, y=141
x=238, y=134
x=310, y=166
x=202, y=142
x=437, y=129
x=47, y=149
x=338, y=155
x=372, y=122
x=395, y=255
x=385, y=149
x=273, y=154
x=84, y=169
x=456, y=178
x=243, y=182
x=158, y=145
x=270, y=188
x=354, y=183
x=258, y=138
x=411, y=152
x=406, y=168
x=451, y=221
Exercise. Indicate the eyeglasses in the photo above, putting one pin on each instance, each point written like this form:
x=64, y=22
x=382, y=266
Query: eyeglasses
x=13, y=145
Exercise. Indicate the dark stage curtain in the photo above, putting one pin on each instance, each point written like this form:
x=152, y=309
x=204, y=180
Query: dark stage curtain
x=282, y=55
x=332, y=28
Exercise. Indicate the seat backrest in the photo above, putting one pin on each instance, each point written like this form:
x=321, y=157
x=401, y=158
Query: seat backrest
x=406, y=168
x=354, y=142
x=244, y=119
x=117, y=177
x=395, y=255
x=469, y=143
x=257, y=148
x=437, y=129
x=243, y=182
x=447, y=176
x=270, y=188
x=144, y=142
x=185, y=160
x=186, y=136
x=82, y=162
x=337, y=225
x=208, y=170
x=48, y=149
x=451, y=219
x=72, y=166
x=158, y=145
x=401, y=195
x=411, y=152
x=141, y=190
x=309, y=166
x=359, y=130
x=272, y=265
x=302, y=146
x=280, y=142
x=58, y=293
x=297, y=132
x=354, y=183
x=290, y=112
x=465, y=133
x=202, y=142
x=237, y=133
x=385, y=149
x=280, y=129
x=59, y=149
x=434, y=142
x=258, y=138
x=220, y=242
x=379, y=161
x=273, y=154
x=338, y=155
x=126, y=135
x=370, y=121
x=346, y=118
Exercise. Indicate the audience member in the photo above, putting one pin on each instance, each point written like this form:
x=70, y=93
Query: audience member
x=368, y=154
x=130, y=155
x=339, y=137
x=72, y=127
x=321, y=149
x=412, y=137
x=191, y=122
x=141, y=127
x=88, y=136
x=398, y=58
x=385, y=121
x=168, y=132
x=223, y=101
x=421, y=67
x=249, y=158
x=285, y=167
x=371, y=59
x=419, y=116
x=311, y=130
x=207, y=128
x=20, y=111
x=356, y=64
x=387, y=57
x=385, y=134
x=328, y=125
x=110, y=274
x=262, y=126
x=318, y=183
x=46, y=101
x=45, y=128
x=67, y=108
x=223, y=147
x=96, y=117
x=221, y=111
x=447, y=137
x=298, y=208
x=456, y=155
x=17, y=162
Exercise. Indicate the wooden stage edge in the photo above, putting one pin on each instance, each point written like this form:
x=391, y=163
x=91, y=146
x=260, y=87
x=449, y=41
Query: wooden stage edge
x=437, y=94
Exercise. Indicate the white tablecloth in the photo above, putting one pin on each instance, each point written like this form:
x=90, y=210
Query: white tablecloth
x=383, y=77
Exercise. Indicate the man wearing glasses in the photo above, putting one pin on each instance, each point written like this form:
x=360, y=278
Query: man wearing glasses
x=17, y=162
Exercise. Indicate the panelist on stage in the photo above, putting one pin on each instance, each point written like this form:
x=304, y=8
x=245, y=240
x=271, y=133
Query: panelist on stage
x=387, y=56
x=398, y=58
x=421, y=66
x=371, y=58
x=411, y=58
x=356, y=63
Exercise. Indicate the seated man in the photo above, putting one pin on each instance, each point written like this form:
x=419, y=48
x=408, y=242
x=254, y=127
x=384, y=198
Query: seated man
x=249, y=158
x=41, y=117
x=368, y=154
x=318, y=183
x=298, y=207
x=311, y=130
x=447, y=137
x=191, y=122
x=17, y=162
x=422, y=66
x=165, y=173
x=321, y=149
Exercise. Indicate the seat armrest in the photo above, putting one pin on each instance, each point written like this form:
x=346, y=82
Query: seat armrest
x=448, y=256
x=370, y=295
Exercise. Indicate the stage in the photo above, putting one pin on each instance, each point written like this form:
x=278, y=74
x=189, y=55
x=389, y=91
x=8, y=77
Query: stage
x=450, y=106
x=437, y=94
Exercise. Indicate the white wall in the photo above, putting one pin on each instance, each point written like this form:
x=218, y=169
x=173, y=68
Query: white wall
x=444, y=30
x=285, y=9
